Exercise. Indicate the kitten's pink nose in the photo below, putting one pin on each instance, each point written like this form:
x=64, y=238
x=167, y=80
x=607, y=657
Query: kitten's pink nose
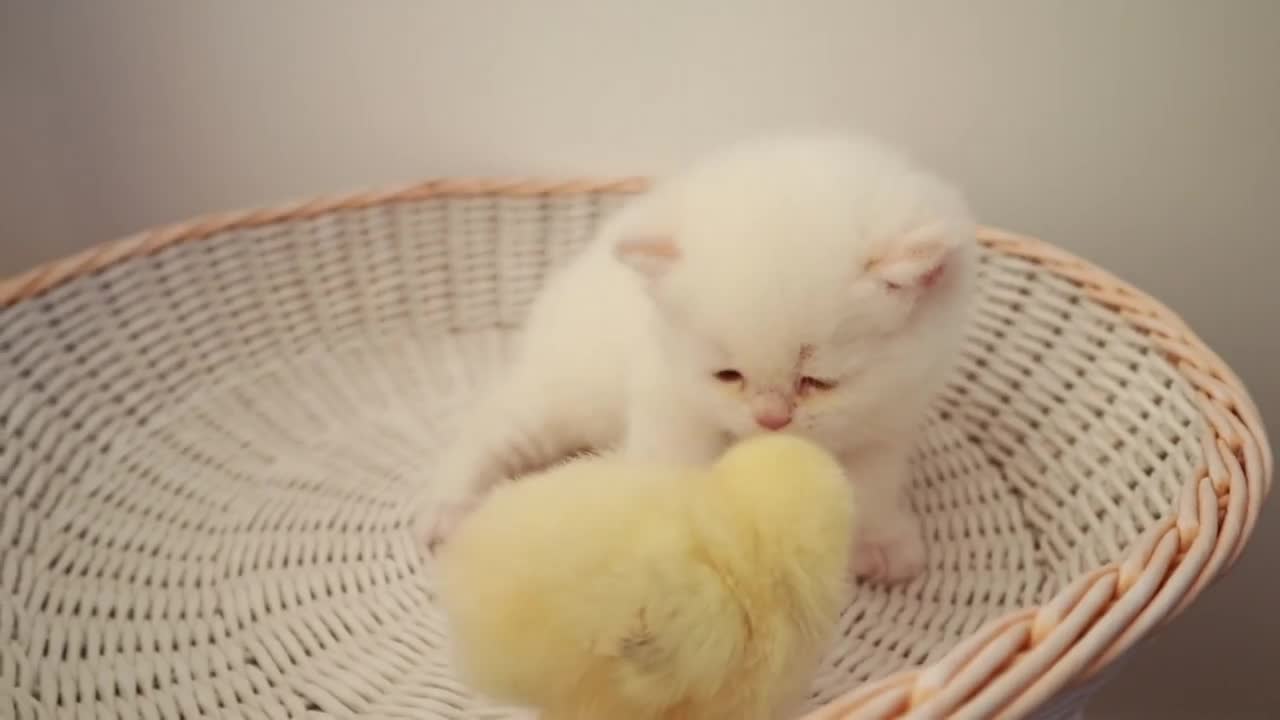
x=773, y=420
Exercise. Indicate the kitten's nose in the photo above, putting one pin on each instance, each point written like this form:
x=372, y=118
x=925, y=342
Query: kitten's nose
x=773, y=420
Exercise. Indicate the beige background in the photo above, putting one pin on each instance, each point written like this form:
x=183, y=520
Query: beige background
x=1144, y=134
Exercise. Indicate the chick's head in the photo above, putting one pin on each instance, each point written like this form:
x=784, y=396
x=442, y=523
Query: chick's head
x=785, y=483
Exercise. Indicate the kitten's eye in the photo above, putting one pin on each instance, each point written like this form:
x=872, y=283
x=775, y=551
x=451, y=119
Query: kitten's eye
x=812, y=383
x=728, y=376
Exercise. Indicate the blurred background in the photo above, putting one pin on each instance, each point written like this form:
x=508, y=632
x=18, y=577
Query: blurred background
x=1144, y=135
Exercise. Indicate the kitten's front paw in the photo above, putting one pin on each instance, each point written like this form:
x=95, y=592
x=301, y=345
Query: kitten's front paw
x=445, y=519
x=890, y=553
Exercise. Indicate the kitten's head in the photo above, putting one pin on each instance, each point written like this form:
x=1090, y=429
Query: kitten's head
x=799, y=280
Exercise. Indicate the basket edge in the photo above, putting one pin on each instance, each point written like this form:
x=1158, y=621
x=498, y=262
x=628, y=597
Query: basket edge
x=49, y=275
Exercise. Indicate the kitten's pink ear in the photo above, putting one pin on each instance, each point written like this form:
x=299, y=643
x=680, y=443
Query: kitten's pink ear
x=915, y=260
x=649, y=255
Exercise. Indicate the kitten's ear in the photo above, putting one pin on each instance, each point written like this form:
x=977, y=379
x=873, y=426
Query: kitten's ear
x=916, y=260
x=650, y=255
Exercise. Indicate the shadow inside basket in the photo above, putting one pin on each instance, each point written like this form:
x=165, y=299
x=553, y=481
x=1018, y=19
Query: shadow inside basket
x=259, y=531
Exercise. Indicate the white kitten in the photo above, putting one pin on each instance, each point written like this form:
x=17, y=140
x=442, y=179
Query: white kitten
x=816, y=285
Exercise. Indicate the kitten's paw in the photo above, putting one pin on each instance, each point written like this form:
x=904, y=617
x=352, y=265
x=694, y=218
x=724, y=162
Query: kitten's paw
x=445, y=519
x=890, y=554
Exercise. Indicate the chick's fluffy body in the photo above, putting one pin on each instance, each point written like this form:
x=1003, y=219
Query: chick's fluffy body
x=605, y=588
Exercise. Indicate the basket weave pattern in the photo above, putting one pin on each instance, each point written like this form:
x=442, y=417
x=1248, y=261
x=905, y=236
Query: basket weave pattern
x=212, y=437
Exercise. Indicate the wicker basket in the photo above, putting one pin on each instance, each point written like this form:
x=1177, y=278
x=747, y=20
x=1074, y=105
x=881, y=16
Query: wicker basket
x=212, y=436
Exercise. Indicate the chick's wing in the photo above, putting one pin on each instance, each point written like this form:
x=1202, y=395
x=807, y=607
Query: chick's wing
x=681, y=635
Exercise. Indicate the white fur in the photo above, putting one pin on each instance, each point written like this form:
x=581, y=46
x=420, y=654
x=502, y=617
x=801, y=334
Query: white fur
x=737, y=264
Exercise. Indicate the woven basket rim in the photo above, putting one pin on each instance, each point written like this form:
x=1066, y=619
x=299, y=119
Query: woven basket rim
x=1016, y=661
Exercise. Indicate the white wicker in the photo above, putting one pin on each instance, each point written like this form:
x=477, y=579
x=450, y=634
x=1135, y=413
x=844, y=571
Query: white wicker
x=212, y=437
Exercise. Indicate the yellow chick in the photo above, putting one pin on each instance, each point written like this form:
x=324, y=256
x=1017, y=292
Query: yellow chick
x=603, y=589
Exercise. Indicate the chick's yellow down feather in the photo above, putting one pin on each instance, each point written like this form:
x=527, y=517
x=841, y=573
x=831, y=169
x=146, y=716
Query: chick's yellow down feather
x=603, y=589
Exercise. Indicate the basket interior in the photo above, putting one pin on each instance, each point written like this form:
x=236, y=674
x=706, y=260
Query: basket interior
x=209, y=457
